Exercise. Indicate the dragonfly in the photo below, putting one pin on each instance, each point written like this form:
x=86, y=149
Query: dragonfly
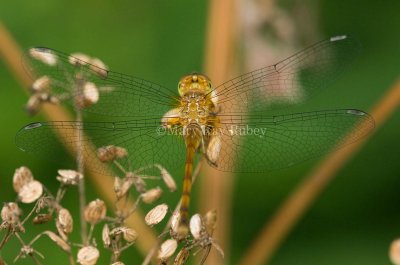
x=246, y=124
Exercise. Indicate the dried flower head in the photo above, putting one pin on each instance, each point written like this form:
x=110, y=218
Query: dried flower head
x=196, y=226
x=182, y=257
x=156, y=214
x=95, y=211
x=41, y=84
x=394, y=252
x=65, y=221
x=152, y=195
x=22, y=176
x=88, y=255
x=11, y=213
x=69, y=177
x=44, y=55
x=30, y=192
x=105, y=235
x=167, y=249
x=99, y=67
x=78, y=59
x=111, y=152
x=167, y=178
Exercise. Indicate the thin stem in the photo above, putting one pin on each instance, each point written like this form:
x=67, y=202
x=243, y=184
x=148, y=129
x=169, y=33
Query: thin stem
x=153, y=250
x=90, y=233
x=6, y=238
x=81, y=184
x=30, y=213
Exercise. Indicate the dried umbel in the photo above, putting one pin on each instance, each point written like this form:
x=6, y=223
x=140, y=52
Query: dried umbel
x=156, y=214
x=11, y=213
x=111, y=152
x=95, y=211
x=22, y=176
x=394, y=252
x=88, y=255
x=64, y=221
x=152, y=195
x=44, y=55
x=167, y=249
x=69, y=177
x=30, y=192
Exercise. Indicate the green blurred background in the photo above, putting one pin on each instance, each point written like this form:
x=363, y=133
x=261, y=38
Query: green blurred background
x=353, y=222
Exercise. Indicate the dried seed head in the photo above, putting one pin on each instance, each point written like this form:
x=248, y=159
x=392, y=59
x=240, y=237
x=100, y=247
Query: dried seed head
x=182, y=257
x=41, y=84
x=196, y=226
x=210, y=221
x=167, y=249
x=59, y=241
x=65, y=221
x=44, y=55
x=90, y=94
x=88, y=255
x=41, y=219
x=106, y=236
x=111, y=152
x=78, y=59
x=168, y=180
x=33, y=105
x=95, y=211
x=99, y=67
x=214, y=149
x=10, y=213
x=69, y=177
x=156, y=215
x=30, y=192
x=175, y=221
x=152, y=195
x=394, y=252
x=129, y=234
x=22, y=176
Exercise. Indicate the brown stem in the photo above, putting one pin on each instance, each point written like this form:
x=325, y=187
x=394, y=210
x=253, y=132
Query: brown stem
x=276, y=230
x=5, y=238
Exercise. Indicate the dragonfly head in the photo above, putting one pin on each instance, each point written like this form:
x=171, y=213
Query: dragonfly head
x=194, y=83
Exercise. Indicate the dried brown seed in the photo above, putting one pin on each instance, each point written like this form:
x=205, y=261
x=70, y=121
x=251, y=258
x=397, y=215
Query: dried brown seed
x=88, y=255
x=44, y=55
x=58, y=240
x=78, y=59
x=167, y=178
x=69, y=177
x=99, y=67
x=122, y=186
x=41, y=219
x=394, y=252
x=182, y=257
x=22, y=176
x=152, y=195
x=41, y=84
x=95, y=211
x=175, y=221
x=139, y=183
x=30, y=192
x=210, y=221
x=129, y=234
x=196, y=226
x=10, y=213
x=214, y=149
x=90, y=94
x=65, y=220
x=106, y=236
x=167, y=249
x=156, y=215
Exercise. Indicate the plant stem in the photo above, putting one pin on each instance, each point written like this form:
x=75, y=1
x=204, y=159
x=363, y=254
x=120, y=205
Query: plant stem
x=5, y=238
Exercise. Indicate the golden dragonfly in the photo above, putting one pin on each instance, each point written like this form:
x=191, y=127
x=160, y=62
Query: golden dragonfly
x=242, y=125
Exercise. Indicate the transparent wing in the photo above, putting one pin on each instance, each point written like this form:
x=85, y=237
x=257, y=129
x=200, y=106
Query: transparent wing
x=146, y=143
x=120, y=95
x=290, y=81
x=256, y=143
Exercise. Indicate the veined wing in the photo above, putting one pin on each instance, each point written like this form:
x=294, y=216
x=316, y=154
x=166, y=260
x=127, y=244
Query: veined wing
x=120, y=95
x=290, y=81
x=256, y=143
x=146, y=142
